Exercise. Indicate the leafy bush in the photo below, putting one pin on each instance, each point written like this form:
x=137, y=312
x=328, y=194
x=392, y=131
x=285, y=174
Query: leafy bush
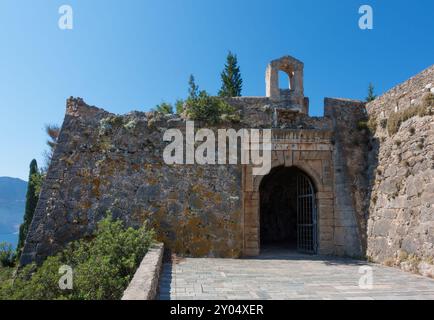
x=210, y=109
x=203, y=107
x=7, y=255
x=5, y=274
x=370, y=124
x=102, y=267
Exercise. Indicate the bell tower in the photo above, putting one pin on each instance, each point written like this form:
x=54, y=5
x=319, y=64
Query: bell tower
x=293, y=96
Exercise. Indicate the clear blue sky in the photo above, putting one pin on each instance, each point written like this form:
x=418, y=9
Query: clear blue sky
x=133, y=54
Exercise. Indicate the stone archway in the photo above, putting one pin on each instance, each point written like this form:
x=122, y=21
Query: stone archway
x=288, y=211
x=314, y=163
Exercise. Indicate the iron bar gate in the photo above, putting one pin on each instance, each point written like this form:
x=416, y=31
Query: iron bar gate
x=307, y=235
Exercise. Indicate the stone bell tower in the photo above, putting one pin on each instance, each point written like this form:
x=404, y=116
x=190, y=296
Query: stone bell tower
x=291, y=98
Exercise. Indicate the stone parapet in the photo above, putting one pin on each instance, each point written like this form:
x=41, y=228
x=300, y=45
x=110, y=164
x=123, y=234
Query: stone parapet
x=144, y=285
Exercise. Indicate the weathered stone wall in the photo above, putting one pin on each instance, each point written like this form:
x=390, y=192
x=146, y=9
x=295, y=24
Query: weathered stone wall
x=401, y=220
x=350, y=185
x=105, y=162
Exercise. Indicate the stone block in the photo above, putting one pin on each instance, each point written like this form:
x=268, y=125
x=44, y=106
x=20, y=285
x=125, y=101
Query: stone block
x=324, y=195
x=382, y=227
x=315, y=155
x=326, y=237
x=288, y=158
x=251, y=252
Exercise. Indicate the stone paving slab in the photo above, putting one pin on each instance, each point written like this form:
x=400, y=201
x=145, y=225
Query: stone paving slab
x=285, y=276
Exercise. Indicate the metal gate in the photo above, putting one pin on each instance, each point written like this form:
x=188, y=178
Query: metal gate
x=307, y=235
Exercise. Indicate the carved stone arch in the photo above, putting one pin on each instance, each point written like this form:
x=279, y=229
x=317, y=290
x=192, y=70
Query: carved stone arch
x=312, y=174
x=323, y=202
x=303, y=166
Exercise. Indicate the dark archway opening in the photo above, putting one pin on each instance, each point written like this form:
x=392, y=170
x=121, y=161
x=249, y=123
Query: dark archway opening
x=288, y=211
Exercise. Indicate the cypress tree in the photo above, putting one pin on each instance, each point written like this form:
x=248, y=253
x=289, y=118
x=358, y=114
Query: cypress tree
x=32, y=198
x=371, y=95
x=231, y=78
x=193, y=88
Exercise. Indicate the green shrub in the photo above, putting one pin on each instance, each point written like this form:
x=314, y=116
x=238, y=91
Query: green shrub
x=210, y=109
x=362, y=125
x=164, y=108
x=5, y=274
x=7, y=255
x=397, y=118
x=370, y=124
x=102, y=267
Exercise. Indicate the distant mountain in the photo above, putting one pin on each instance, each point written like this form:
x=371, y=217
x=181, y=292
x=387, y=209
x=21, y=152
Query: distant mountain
x=12, y=189
x=12, y=204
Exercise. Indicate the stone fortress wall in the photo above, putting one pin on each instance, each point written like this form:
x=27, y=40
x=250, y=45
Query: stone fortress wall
x=105, y=162
x=401, y=206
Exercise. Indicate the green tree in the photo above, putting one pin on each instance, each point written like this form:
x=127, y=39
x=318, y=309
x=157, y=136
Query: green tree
x=164, y=108
x=371, y=93
x=193, y=89
x=32, y=198
x=232, y=82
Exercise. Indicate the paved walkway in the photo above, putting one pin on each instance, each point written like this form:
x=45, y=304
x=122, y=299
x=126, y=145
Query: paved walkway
x=287, y=276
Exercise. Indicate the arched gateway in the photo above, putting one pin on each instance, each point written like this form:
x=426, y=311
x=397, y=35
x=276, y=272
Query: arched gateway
x=291, y=207
x=288, y=211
